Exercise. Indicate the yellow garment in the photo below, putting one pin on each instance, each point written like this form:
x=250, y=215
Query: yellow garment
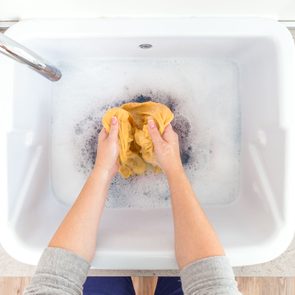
x=136, y=147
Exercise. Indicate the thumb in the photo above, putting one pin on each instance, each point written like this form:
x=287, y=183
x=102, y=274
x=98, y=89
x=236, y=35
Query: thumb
x=168, y=134
x=102, y=135
x=154, y=132
x=114, y=130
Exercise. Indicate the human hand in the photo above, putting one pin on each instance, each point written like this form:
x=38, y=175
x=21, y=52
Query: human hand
x=166, y=148
x=108, y=150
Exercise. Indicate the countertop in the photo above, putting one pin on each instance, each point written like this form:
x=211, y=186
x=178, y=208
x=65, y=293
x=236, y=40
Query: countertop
x=282, y=266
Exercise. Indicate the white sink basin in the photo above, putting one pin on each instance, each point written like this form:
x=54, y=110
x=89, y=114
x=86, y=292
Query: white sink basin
x=231, y=83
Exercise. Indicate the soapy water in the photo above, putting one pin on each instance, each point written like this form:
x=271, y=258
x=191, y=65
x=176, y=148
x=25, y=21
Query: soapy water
x=93, y=123
x=201, y=94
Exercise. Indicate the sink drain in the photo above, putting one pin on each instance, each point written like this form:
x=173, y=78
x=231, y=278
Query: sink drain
x=145, y=46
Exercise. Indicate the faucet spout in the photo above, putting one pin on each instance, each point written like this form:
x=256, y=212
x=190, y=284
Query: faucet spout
x=24, y=55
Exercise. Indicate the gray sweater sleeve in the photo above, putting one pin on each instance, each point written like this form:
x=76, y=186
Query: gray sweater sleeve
x=58, y=272
x=209, y=276
x=62, y=272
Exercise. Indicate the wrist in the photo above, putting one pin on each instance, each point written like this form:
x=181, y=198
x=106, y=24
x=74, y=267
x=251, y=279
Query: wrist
x=174, y=171
x=102, y=173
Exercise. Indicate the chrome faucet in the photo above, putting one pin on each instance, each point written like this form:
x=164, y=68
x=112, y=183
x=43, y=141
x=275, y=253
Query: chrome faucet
x=24, y=55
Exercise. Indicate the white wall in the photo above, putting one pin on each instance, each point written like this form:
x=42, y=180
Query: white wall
x=278, y=9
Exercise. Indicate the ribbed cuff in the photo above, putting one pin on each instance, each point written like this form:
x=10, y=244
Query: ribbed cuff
x=209, y=274
x=59, y=269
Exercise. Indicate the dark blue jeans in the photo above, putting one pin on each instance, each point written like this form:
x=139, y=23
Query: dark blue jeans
x=124, y=286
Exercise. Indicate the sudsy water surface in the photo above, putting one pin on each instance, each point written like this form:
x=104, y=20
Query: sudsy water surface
x=203, y=97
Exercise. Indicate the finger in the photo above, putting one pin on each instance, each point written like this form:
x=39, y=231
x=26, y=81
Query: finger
x=154, y=132
x=102, y=134
x=113, y=134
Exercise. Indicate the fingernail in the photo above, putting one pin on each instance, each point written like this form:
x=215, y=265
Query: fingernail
x=151, y=123
x=114, y=120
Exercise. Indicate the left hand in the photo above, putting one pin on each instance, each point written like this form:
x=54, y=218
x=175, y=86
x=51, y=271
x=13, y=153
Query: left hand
x=108, y=149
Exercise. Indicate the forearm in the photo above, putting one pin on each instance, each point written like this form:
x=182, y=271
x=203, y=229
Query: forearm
x=78, y=231
x=194, y=236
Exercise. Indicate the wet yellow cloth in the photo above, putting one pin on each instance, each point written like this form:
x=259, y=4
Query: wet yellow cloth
x=136, y=147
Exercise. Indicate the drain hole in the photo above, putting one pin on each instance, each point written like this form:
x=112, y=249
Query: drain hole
x=145, y=46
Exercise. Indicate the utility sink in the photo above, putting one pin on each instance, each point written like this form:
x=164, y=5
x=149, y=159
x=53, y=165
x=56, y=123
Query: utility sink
x=230, y=83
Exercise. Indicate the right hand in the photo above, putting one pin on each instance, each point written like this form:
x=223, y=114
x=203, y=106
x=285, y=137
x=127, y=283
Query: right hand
x=166, y=148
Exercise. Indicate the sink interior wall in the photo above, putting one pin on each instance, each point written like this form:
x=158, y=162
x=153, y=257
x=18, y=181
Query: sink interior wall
x=195, y=57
